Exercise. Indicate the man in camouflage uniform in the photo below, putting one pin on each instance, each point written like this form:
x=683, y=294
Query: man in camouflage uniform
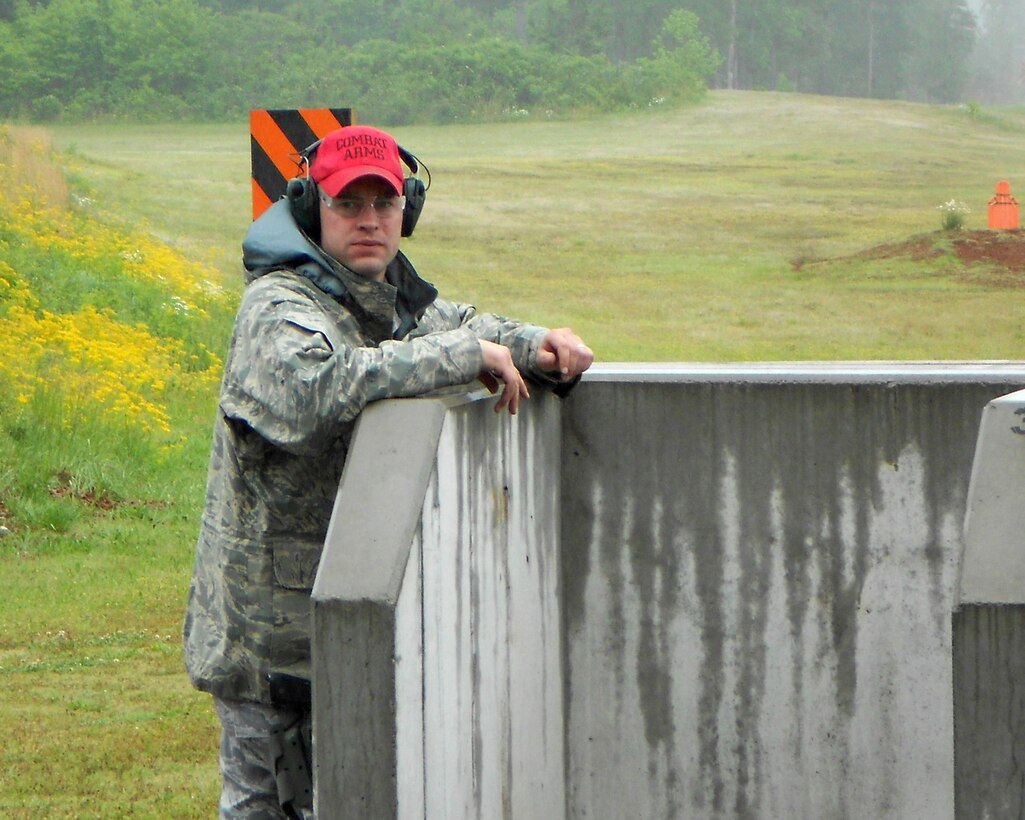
x=333, y=317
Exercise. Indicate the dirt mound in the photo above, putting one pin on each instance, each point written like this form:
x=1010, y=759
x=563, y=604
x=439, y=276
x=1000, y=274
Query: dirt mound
x=1002, y=249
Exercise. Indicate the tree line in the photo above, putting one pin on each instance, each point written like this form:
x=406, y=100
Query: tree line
x=408, y=61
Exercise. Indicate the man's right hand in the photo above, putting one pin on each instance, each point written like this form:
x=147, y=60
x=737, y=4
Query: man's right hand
x=498, y=369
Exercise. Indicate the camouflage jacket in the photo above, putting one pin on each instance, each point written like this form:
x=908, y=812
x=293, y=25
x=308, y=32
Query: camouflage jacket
x=313, y=343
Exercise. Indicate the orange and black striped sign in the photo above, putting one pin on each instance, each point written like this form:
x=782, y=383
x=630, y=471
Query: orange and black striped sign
x=276, y=137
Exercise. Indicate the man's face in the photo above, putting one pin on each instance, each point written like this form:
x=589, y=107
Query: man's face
x=367, y=241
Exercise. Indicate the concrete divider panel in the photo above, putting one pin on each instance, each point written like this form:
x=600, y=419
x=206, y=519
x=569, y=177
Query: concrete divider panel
x=437, y=654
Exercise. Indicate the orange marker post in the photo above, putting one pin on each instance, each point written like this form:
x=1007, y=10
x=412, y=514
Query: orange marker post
x=276, y=136
x=1003, y=209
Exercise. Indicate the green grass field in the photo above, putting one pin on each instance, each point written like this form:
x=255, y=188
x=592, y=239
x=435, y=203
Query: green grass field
x=660, y=235
x=740, y=229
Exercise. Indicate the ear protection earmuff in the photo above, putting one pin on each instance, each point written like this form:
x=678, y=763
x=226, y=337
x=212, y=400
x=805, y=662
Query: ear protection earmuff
x=414, y=190
x=301, y=193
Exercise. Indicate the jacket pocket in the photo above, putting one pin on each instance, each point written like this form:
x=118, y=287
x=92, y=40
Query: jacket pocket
x=295, y=565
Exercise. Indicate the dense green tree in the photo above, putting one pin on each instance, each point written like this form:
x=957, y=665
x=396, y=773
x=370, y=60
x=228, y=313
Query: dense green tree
x=683, y=58
x=572, y=26
x=433, y=60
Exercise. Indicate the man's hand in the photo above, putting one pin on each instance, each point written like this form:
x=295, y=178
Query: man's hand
x=499, y=367
x=565, y=352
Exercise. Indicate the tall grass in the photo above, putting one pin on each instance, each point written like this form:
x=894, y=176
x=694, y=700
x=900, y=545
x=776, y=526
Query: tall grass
x=26, y=156
x=731, y=230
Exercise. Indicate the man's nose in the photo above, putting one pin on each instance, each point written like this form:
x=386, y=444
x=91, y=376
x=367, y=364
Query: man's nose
x=368, y=216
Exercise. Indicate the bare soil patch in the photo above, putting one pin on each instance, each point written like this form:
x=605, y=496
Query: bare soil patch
x=994, y=257
x=1004, y=249
x=65, y=488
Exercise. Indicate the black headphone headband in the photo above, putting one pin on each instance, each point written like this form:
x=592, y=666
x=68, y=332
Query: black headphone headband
x=301, y=192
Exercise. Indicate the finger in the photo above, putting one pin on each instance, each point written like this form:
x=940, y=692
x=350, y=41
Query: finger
x=571, y=359
x=509, y=399
x=515, y=390
x=578, y=360
x=520, y=392
x=567, y=354
x=574, y=355
x=555, y=360
x=584, y=358
x=505, y=396
x=514, y=399
x=547, y=359
x=554, y=349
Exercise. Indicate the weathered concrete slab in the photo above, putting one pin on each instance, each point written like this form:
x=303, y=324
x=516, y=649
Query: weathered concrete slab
x=437, y=648
x=362, y=621
x=739, y=579
x=759, y=566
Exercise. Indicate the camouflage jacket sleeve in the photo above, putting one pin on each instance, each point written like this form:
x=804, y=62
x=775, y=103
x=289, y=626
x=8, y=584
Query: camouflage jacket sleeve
x=300, y=369
x=523, y=340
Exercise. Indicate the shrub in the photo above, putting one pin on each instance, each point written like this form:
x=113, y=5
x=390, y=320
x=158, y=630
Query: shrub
x=953, y=215
x=151, y=60
x=46, y=108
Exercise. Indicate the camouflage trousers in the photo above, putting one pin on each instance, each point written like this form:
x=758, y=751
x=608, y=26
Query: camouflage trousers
x=265, y=762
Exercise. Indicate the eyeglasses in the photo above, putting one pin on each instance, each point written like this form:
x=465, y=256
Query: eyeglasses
x=386, y=207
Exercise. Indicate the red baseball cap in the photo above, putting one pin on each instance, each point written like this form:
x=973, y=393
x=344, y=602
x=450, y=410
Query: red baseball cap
x=353, y=152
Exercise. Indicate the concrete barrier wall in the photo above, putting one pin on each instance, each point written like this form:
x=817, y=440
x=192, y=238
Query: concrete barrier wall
x=699, y=592
x=437, y=654
x=759, y=570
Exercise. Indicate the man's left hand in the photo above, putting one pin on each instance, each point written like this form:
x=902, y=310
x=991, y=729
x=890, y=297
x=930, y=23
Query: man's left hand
x=564, y=352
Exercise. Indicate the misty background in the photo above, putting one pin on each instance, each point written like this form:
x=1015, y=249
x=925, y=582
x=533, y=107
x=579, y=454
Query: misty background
x=437, y=61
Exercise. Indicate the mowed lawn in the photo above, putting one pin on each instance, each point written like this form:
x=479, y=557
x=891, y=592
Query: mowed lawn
x=745, y=228
x=734, y=230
